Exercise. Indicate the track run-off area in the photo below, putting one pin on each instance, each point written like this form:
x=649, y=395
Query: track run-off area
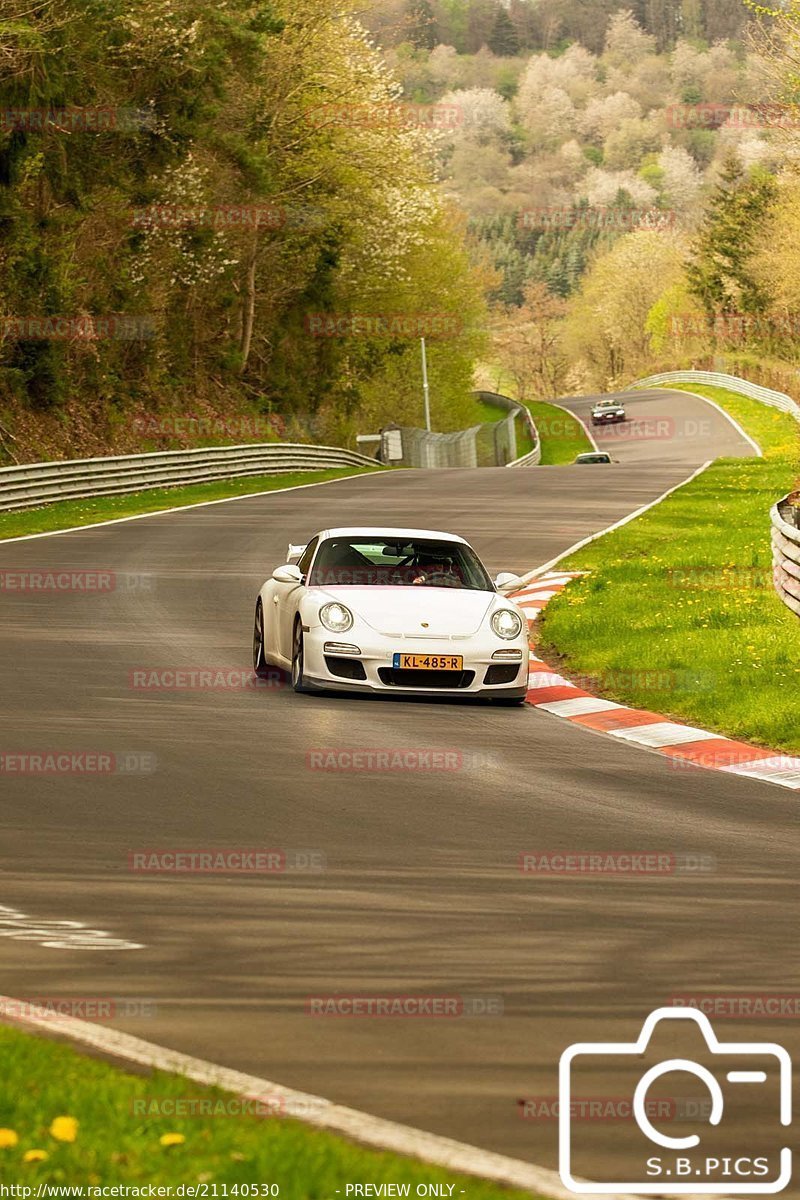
x=394, y=883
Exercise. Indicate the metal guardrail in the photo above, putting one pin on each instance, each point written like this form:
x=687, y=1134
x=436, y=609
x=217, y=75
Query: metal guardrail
x=517, y=409
x=33, y=484
x=786, y=553
x=785, y=532
x=731, y=382
x=492, y=444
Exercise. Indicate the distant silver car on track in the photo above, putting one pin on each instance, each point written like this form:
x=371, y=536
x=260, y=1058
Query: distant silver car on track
x=404, y=611
x=608, y=412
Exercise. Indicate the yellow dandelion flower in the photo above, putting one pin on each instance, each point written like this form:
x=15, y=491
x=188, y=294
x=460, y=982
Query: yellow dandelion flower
x=64, y=1129
x=172, y=1139
x=35, y=1156
x=8, y=1138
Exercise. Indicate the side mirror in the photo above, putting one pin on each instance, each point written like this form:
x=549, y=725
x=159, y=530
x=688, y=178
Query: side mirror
x=288, y=574
x=507, y=579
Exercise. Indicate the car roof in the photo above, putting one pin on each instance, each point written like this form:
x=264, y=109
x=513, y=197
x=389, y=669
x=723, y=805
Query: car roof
x=388, y=531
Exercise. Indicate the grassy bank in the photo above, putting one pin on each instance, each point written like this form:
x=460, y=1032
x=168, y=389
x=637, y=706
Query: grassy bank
x=678, y=613
x=121, y=1136
x=563, y=437
x=68, y=513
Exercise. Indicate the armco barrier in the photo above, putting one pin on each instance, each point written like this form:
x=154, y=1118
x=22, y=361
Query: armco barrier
x=534, y=456
x=785, y=533
x=492, y=444
x=731, y=382
x=43, y=483
x=786, y=554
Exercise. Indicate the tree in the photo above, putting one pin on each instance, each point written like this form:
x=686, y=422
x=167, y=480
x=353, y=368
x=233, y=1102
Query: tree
x=421, y=24
x=504, y=40
x=608, y=321
x=626, y=42
x=720, y=273
x=528, y=344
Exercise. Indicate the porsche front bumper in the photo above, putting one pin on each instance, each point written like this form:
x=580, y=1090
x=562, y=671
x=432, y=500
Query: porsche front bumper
x=489, y=670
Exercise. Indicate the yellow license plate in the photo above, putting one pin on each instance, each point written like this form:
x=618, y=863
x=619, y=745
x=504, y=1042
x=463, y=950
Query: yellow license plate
x=429, y=662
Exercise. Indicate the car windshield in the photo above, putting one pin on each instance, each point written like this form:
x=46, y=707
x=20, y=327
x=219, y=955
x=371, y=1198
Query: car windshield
x=392, y=562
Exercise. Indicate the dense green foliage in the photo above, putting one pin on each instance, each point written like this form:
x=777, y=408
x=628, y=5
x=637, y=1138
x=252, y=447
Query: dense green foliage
x=470, y=24
x=250, y=169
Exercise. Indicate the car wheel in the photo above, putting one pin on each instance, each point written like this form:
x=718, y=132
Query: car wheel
x=259, y=661
x=298, y=659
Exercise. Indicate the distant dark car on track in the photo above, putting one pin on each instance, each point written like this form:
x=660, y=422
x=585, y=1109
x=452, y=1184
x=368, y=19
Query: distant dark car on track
x=595, y=456
x=608, y=412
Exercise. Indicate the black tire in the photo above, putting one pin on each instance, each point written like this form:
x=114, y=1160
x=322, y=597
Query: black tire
x=259, y=662
x=298, y=659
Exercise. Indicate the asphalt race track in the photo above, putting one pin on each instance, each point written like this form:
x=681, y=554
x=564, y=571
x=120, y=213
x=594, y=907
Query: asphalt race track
x=421, y=894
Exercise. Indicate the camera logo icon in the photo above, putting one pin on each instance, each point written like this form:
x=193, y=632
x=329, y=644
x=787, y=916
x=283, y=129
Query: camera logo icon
x=704, y=1162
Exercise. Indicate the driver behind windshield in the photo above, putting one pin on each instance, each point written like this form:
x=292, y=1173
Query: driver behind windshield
x=423, y=563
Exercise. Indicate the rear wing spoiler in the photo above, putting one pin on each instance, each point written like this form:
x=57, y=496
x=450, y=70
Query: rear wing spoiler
x=294, y=553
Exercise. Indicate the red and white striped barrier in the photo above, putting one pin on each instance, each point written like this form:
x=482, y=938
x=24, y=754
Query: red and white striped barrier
x=690, y=746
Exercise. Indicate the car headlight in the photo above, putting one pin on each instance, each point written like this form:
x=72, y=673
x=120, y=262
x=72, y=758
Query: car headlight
x=507, y=624
x=336, y=617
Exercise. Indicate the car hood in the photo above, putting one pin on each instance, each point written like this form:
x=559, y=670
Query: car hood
x=404, y=611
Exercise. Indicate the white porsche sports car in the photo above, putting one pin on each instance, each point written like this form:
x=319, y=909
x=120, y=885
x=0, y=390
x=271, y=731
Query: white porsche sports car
x=408, y=611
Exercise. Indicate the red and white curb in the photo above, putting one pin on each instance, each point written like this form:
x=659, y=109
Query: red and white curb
x=691, y=746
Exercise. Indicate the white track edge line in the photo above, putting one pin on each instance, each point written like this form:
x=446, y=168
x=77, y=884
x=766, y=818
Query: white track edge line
x=162, y=512
x=580, y=421
x=666, y=387
x=375, y=1132
x=617, y=525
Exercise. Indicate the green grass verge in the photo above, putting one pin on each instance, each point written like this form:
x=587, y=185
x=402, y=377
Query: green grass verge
x=67, y=513
x=490, y=414
x=678, y=613
x=563, y=437
x=118, y=1138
